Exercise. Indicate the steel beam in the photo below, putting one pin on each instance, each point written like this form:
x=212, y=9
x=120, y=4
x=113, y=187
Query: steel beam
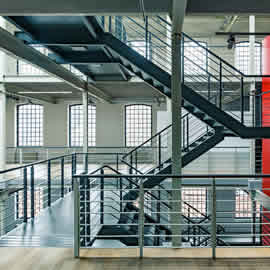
x=14, y=46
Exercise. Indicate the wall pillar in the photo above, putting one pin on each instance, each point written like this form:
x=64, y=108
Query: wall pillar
x=85, y=129
x=2, y=107
x=2, y=128
x=177, y=14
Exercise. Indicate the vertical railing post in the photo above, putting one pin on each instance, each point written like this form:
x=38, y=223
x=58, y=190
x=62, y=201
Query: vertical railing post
x=254, y=222
x=141, y=218
x=121, y=195
x=214, y=221
x=220, y=85
x=159, y=207
x=102, y=197
x=73, y=168
x=110, y=24
x=146, y=38
x=183, y=132
x=130, y=170
x=209, y=88
x=117, y=162
x=32, y=184
x=25, y=194
x=188, y=223
x=76, y=218
x=86, y=163
x=49, y=183
x=131, y=163
x=242, y=100
x=187, y=133
x=136, y=160
x=159, y=151
x=62, y=177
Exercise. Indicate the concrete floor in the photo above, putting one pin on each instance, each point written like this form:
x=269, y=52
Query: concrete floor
x=62, y=259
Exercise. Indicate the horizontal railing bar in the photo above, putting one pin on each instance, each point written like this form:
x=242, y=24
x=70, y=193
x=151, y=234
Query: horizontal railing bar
x=180, y=176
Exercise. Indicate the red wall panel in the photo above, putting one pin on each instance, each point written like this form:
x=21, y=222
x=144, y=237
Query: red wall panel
x=266, y=142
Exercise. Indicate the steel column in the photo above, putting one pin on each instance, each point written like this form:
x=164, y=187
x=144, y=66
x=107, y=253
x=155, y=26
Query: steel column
x=177, y=15
x=85, y=129
x=2, y=126
x=176, y=217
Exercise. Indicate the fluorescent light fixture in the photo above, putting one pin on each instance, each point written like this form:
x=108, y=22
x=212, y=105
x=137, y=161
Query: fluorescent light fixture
x=45, y=92
x=79, y=48
x=95, y=65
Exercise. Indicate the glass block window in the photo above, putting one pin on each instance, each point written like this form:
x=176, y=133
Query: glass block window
x=76, y=125
x=243, y=205
x=30, y=125
x=197, y=198
x=242, y=57
x=138, y=124
x=195, y=58
x=25, y=68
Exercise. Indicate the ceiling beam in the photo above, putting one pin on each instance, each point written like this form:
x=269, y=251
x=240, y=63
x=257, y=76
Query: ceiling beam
x=14, y=46
x=27, y=96
x=120, y=7
x=228, y=23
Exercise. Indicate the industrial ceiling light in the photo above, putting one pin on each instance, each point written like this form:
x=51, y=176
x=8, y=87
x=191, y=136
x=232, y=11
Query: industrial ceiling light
x=45, y=92
x=79, y=48
x=231, y=42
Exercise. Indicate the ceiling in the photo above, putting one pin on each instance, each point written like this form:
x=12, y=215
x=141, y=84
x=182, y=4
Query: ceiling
x=119, y=91
x=86, y=7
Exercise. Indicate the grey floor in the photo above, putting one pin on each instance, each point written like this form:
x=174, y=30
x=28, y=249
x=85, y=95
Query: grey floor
x=52, y=228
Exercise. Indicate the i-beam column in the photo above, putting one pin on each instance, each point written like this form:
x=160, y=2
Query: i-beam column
x=85, y=130
x=178, y=13
x=2, y=107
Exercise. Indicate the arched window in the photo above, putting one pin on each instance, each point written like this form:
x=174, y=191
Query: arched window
x=76, y=125
x=138, y=125
x=195, y=58
x=29, y=125
x=242, y=57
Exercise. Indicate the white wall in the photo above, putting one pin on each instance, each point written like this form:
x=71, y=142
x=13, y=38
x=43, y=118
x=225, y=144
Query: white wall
x=110, y=127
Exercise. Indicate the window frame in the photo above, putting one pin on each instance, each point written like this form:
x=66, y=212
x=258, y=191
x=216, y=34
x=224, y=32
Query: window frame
x=18, y=117
x=69, y=126
x=260, y=55
x=151, y=124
